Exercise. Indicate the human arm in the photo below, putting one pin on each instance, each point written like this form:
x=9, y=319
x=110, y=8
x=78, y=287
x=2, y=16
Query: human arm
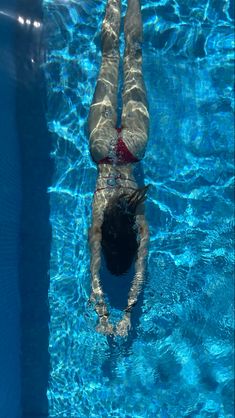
x=140, y=263
x=97, y=296
x=124, y=324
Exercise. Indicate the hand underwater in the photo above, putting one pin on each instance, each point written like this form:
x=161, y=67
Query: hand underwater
x=104, y=327
x=124, y=325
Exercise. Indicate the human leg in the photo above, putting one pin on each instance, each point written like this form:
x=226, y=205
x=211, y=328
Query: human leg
x=135, y=116
x=103, y=114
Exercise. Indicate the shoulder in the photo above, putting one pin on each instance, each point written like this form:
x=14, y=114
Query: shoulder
x=99, y=205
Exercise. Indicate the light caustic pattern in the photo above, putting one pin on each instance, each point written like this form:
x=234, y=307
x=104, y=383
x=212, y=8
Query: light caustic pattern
x=178, y=359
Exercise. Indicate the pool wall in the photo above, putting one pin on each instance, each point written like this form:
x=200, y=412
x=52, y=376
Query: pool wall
x=10, y=196
x=35, y=230
x=25, y=174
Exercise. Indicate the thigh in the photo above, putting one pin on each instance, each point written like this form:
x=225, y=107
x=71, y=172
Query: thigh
x=135, y=113
x=103, y=108
x=103, y=114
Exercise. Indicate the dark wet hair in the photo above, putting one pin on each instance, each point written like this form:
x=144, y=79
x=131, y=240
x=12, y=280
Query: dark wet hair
x=119, y=235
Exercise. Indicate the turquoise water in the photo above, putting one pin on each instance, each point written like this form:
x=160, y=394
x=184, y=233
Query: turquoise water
x=178, y=359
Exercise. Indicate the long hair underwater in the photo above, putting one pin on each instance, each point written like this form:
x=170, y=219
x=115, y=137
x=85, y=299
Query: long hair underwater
x=119, y=233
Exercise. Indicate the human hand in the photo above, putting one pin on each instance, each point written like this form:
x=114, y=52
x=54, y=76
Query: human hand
x=104, y=327
x=124, y=325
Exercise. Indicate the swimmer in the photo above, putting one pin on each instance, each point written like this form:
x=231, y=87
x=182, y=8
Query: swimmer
x=119, y=228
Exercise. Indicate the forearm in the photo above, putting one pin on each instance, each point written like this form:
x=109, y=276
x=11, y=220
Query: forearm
x=95, y=263
x=97, y=296
x=140, y=267
x=95, y=250
x=134, y=292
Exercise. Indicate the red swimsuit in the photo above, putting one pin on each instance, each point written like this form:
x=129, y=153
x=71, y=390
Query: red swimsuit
x=124, y=156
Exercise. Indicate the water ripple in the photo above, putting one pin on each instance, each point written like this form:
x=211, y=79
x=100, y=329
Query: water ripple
x=178, y=360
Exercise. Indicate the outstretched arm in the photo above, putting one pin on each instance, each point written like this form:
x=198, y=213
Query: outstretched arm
x=124, y=324
x=95, y=248
x=97, y=296
x=140, y=263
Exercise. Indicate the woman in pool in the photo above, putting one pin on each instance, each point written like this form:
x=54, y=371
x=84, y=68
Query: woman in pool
x=119, y=228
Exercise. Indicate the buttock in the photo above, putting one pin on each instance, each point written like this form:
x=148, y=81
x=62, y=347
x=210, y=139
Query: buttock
x=101, y=142
x=135, y=141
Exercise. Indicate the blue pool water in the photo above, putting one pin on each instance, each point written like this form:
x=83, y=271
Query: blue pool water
x=178, y=359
